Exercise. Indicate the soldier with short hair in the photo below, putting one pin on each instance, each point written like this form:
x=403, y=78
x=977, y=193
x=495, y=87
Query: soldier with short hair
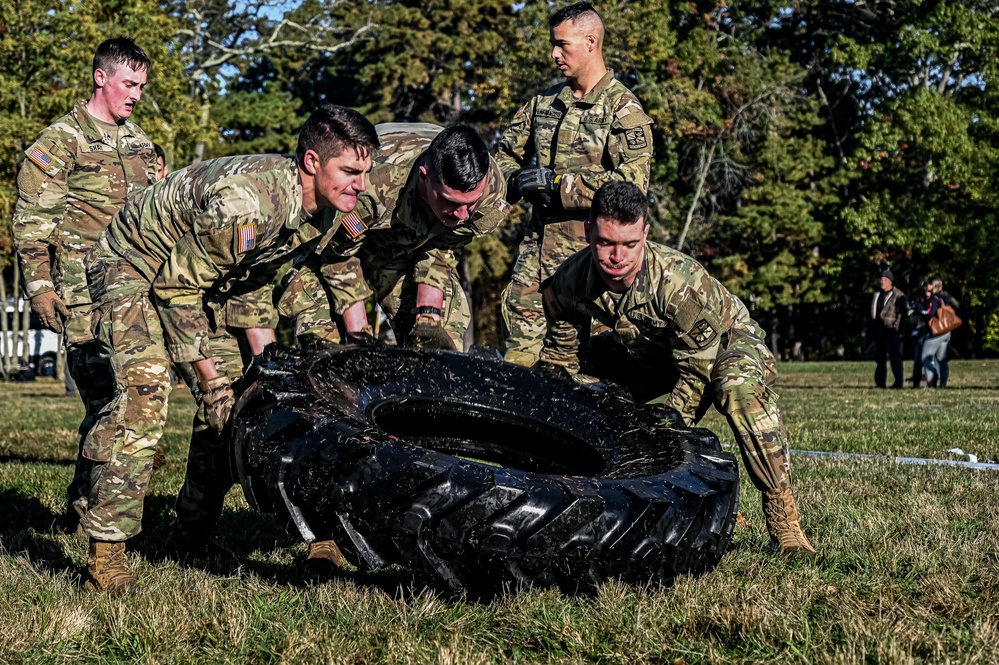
x=582, y=133
x=202, y=237
x=678, y=337
x=76, y=176
x=431, y=191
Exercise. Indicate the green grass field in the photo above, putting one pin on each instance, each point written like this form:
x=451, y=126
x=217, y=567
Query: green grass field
x=907, y=570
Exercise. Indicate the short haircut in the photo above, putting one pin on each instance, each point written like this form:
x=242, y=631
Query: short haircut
x=120, y=50
x=620, y=201
x=332, y=129
x=571, y=13
x=159, y=152
x=459, y=158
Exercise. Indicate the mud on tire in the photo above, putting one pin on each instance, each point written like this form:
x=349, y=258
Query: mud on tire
x=478, y=474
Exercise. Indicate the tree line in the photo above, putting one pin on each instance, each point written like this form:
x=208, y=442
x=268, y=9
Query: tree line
x=801, y=146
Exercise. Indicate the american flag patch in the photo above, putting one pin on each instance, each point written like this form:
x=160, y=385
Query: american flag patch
x=247, y=234
x=41, y=158
x=354, y=224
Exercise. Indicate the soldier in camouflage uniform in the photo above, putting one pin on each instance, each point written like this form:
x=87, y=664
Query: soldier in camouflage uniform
x=430, y=192
x=584, y=132
x=76, y=176
x=214, y=232
x=664, y=309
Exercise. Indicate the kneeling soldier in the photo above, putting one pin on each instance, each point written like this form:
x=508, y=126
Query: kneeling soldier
x=670, y=318
x=431, y=191
x=159, y=277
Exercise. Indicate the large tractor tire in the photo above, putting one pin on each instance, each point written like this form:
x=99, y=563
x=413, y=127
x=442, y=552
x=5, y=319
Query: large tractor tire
x=479, y=474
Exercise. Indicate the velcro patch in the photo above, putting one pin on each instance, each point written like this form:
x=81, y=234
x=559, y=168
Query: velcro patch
x=354, y=224
x=246, y=237
x=636, y=139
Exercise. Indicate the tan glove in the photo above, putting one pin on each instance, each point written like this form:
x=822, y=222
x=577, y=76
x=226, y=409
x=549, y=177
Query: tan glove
x=428, y=333
x=50, y=309
x=218, y=399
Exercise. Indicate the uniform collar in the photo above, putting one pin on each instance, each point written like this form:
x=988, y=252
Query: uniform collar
x=593, y=97
x=91, y=130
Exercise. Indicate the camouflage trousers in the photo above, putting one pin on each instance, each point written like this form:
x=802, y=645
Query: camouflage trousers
x=306, y=301
x=540, y=254
x=740, y=387
x=122, y=442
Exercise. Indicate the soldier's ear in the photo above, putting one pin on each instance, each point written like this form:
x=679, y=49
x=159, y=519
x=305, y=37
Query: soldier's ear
x=311, y=162
x=100, y=77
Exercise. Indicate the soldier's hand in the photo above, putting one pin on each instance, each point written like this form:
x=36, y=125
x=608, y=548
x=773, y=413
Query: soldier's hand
x=50, y=309
x=552, y=370
x=363, y=337
x=539, y=186
x=218, y=398
x=428, y=333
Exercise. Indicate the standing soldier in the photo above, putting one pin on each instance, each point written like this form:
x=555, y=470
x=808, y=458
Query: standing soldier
x=77, y=175
x=678, y=336
x=431, y=191
x=163, y=277
x=584, y=132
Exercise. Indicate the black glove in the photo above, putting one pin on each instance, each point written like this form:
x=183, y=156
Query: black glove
x=363, y=337
x=428, y=333
x=539, y=186
x=551, y=370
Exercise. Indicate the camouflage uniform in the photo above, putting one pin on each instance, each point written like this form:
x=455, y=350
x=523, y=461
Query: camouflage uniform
x=75, y=178
x=603, y=136
x=213, y=232
x=677, y=314
x=402, y=244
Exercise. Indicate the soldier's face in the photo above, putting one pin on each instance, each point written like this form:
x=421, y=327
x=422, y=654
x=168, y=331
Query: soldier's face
x=162, y=170
x=570, y=48
x=340, y=180
x=117, y=93
x=617, y=250
x=451, y=206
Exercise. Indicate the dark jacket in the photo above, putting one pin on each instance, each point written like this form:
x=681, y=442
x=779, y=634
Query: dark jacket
x=892, y=313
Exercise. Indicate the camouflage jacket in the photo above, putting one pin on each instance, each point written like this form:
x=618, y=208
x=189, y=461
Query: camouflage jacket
x=214, y=232
x=673, y=307
x=396, y=228
x=75, y=177
x=603, y=136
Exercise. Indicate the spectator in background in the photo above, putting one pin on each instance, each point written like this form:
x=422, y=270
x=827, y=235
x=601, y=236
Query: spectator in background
x=162, y=168
x=934, y=351
x=919, y=331
x=887, y=311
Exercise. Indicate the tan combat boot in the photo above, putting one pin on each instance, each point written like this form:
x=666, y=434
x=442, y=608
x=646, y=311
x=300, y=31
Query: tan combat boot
x=783, y=523
x=107, y=568
x=323, y=560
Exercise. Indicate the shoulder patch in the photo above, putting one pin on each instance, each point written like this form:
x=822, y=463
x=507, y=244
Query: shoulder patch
x=353, y=224
x=636, y=138
x=247, y=237
x=702, y=334
x=43, y=159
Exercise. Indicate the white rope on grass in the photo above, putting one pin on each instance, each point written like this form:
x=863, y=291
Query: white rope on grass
x=977, y=466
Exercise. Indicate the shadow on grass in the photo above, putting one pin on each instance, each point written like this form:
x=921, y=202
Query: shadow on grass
x=29, y=459
x=22, y=522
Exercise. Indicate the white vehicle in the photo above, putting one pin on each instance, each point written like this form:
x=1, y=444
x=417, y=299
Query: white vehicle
x=43, y=344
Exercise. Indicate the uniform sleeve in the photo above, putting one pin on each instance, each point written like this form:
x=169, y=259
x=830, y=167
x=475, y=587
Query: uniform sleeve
x=698, y=329
x=344, y=278
x=694, y=368
x=515, y=146
x=253, y=309
x=630, y=151
x=41, y=204
x=565, y=328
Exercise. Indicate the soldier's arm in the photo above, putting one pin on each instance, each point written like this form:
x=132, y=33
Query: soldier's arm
x=515, y=147
x=630, y=151
x=694, y=368
x=42, y=189
x=344, y=278
x=565, y=328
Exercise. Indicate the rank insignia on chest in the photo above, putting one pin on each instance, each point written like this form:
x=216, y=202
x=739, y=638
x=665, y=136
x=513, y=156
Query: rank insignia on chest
x=40, y=157
x=246, y=237
x=354, y=224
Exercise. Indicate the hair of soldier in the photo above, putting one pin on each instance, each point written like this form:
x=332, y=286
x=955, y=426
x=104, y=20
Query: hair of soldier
x=159, y=152
x=459, y=158
x=332, y=129
x=623, y=202
x=573, y=13
x=120, y=50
